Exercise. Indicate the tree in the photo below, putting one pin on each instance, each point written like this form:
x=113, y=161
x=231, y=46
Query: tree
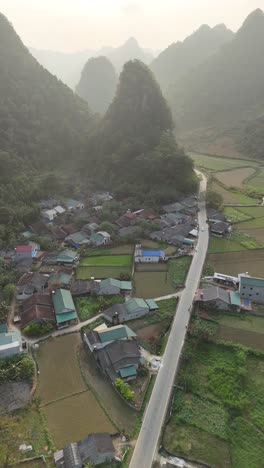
x=124, y=389
x=8, y=292
x=214, y=199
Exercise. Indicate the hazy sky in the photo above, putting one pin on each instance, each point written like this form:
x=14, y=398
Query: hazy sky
x=71, y=25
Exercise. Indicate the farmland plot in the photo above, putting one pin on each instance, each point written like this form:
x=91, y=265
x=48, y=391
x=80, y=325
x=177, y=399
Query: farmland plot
x=234, y=178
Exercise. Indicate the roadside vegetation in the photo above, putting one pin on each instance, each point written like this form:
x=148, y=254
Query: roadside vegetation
x=17, y=368
x=178, y=270
x=88, y=307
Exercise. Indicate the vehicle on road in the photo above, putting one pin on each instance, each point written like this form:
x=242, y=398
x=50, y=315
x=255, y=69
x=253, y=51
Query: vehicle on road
x=202, y=228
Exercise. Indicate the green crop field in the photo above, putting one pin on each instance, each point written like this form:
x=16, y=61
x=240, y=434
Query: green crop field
x=217, y=163
x=107, y=260
x=222, y=245
x=252, y=211
x=235, y=215
x=101, y=272
x=234, y=263
x=252, y=224
x=217, y=415
x=258, y=180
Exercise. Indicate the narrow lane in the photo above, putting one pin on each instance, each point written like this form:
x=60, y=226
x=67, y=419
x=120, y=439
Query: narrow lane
x=148, y=439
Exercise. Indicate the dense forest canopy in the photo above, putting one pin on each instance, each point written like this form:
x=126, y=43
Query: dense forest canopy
x=227, y=89
x=98, y=84
x=134, y=149
x=40, y=118
x=181, y=57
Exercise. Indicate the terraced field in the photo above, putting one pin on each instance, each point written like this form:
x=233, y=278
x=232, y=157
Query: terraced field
x=216, y=164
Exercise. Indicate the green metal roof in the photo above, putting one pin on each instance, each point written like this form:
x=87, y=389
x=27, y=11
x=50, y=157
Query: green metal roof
x=249, y=281
x=8, y=338
x=96, y=237
x=115, y=333
x=64, y=317
x=235, y=298
x=152, y=304
x=78, y=237
x=62, y=278
x=133, y=304
x=62, y=301
x=67, y=253
x=27, y=234
x=128, y=371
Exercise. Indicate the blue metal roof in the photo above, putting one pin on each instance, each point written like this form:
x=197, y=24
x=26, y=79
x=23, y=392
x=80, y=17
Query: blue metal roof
x=153, y=253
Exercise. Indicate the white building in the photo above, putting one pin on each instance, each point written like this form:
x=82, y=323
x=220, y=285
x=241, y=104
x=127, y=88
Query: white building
x=148, y=256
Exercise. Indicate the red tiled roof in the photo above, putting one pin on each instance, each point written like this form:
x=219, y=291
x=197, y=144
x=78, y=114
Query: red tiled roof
x=24, y=248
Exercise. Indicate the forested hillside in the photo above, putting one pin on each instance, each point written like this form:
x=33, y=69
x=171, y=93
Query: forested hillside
x=98, y=84
x=133, y=150
x=228, y=89
x=40, y=118
x=181, y=57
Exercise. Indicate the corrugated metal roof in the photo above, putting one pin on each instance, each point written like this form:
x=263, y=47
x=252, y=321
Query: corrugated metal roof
x=115, y=333
x=62, y=301
x=64, y=317
x=126, y=285
x=251, y=281
x=128, y=371
x=24, y=248
x=63, y=278
x=134, y=304
x=11, y=337
x=152, y=304
x=153, y=253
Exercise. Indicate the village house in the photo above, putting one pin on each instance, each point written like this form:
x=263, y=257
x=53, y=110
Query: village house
x=129, y=310
x=84, y=287
x=74, y=205
x=10, y=342
x=60, y=278
x=37, y=309
x=176, y=235
x=219, y=298
x=171, y=219
x=40, y=229
x=90, y=228
x=148, y=256
x=65, y=257
x=31, y=283
x=59, y=209
x=214, y=216
x=111, y=286
x=121, y=358
x=101, y=197
x=25, y=251
x=220, y=229
x=98, y=339
x=77, y=239
x=64, y=307
x=100, y=238
x=96, y=448
x=251, y=288
x=49, y=215
x=173, y=207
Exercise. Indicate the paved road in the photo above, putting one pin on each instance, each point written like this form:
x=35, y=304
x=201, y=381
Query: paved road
x=147, y=443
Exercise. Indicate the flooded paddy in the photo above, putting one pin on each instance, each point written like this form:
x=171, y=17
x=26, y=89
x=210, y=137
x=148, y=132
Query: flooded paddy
x=71, y=410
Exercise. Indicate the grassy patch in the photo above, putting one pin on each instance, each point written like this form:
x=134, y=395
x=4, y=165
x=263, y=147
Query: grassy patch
x=258, y=180
x=107, y=260
x=121, y=250
x=87, y=307
x=222, y=245
x=151, y=284
x=235, y=215
x=178, y=270
x=252, y=224
x=252, y=211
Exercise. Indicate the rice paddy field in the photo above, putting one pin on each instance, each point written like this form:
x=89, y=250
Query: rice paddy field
x=232, y=197
x=71, y=410
x=107, y=260
x=101, y=272
x=234, y=263
x=258, y=180
x=236, y=177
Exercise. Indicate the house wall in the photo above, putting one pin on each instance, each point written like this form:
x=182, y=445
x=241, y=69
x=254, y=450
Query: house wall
x=221, y=304
x=140, y=312
x=6, y=353
x=147, y=259
x=99, y=458
x=253, y=293
x=20, y=255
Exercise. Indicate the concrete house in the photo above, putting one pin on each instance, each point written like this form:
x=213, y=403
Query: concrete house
x=37, y=309
x=64, y=307
x=77, y=239
x=25, y=251
x=111, y=286
x=251, y=288
x=220, y=228
x=99, y=339
x=49, y=215
x=100, y=238
x=148, y=256
x=215, y=296
x=10, y=342
x=84, y=287
x=59, y=209
x=96, y=448
x=74, y=205
x=130, y=310
x=61, y=278
x=29, y=284
x=67, y=257
x=121, y=358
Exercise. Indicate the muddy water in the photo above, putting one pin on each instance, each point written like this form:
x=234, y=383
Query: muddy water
x=71, y=410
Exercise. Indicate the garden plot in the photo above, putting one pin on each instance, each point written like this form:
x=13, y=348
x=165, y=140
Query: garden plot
x=258, y=180
x=234, y=178
x=232, y=197
x=234, y=215
x=104, y=266
x=151, y=284
x=236, y=262
x=107, y=260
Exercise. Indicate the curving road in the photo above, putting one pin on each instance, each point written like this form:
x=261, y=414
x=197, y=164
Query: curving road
x=148, y=439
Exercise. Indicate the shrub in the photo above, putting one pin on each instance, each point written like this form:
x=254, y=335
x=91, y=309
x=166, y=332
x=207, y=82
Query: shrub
x=124, y=389
x=37, y=329
x=16, y=368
